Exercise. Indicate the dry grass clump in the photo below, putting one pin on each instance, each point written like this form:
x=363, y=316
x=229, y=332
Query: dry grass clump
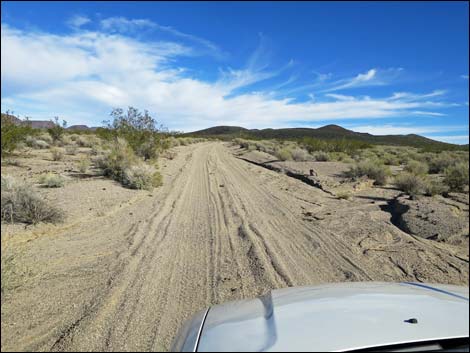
x=300, y=155
x=83, y=165
x=284, y=154
x=51, y=180
x=71, y=149
x=57, y=154
x=21, y=203
x=344, y=195
x=321, y=156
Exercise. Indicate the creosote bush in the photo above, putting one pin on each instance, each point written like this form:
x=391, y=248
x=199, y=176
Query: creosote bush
x=21, y=203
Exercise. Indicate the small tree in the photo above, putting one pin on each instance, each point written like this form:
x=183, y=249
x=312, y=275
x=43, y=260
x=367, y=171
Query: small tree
x=58, y=130
x=140, y=130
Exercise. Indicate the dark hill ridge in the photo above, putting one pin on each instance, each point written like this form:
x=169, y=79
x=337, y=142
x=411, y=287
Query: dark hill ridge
x=325, y=132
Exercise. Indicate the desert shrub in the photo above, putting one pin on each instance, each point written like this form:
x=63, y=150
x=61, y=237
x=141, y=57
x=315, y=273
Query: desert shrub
x=51, y=180
x=140, y=131
x=96, y=150
x=321, y=156
x=284, y=154
x=456, y=177
x=440, y=162
x=119, y=157
x=390, y=159
x=36, y=143
x=20, y=203
x=75, y=137
x=169, y=155
x=333, y=145
x=410, y=183
x=416, y=167
x=45, y=137
x=300, y=155
x=12, y=133
x=57, y=154
x=344, y=195
x=71, y=149
x=141, y=176
x=57, y=131
x=434, y=187
x=83, y=165
x=377, y=172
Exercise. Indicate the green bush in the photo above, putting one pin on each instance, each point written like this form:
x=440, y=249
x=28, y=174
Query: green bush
x=416, y=167
x=57, y=131
x=456, y=177
x=20, y=203
x=51, y=180
x=140, y=131
x=410, y=183
x=12, y=133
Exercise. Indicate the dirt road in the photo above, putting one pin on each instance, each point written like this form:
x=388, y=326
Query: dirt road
x=219, y=229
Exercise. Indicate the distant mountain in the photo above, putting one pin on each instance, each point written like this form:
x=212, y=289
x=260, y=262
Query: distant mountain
x=326, y=132
x=78, y=127
x=39, y=124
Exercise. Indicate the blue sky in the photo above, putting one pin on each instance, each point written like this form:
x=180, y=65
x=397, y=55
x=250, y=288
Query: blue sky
x=383, y=68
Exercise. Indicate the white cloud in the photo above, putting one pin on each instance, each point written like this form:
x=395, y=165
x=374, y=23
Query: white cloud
x=82, y=75
x=460, y=139
x=122, y=24
x=78, y=21
x=340, y=97
x=405, y=129
x=464, y=77
x=125, y=25
x=373, y=77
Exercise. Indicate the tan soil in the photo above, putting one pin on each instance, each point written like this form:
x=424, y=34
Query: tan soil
x=126, y=275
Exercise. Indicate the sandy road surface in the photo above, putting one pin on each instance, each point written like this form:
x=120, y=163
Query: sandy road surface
x=219, y=229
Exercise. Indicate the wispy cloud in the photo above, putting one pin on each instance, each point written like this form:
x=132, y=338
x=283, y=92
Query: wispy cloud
x=125, y=25
x=464, y=77
x=373, y=77
x=78, y=21
x=82, y=75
